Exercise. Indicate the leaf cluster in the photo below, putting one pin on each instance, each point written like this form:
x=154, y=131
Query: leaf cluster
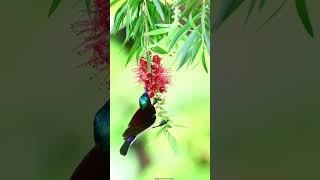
x=179, y=28
x=55, y=4
x=228, y=7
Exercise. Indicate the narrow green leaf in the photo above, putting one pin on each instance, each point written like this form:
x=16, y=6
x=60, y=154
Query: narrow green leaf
x=149, y=11
x=133, y=51
x=188, y=9
x=163, y=25
x=118, y=18
x=274, y=14
x=138, y=55
x=227, y=8
x=207, y=41
x=199, y=54
x=53, y=7
x=192, y=23
x=185, y=49
x=304, y=16
x=128, y=22
x=179, y=35
x=159, y=50
x=204, y=61
x=114, y=2
x=195, y=49
x=262, y=4
x=161, y=130
x=251, y=7
x=173, y=142
x=137, y=26
x=159, y=9
x=158, y=31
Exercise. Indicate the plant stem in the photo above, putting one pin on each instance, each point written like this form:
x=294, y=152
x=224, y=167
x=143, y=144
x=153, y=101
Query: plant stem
x=148, y=53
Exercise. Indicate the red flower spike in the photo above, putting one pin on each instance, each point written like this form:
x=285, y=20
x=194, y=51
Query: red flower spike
x=156, y=59
x=95, y=33
x=155, y=81
x=151, y=94
x=162, y=89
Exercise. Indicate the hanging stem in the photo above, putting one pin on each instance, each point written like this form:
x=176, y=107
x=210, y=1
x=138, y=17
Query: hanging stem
x=148, y=52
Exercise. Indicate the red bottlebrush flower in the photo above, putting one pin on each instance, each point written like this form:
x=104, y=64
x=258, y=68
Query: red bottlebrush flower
x=156, y=81
x=95, y=34
x=156, y=59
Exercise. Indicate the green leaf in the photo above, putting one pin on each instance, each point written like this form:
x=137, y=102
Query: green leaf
x=163, y=25
x=207, y=41
x=114, y=2
x=227, y=8
x=262, y=4
x=159, y=50
x=188, y=9
x=159, y=9
x=88, y=6
x=149, y=10
x=179, y=35
x=118, y=18
x=192, y=23
x=138, y=55
x=199, y=54
x=304, y=16
x=161, y=130
x=251, y=7
x=204, y=61
x=128, y=22
x=195, y=49
x=132, y=51
x=137, y=26
x=185, y=49
x=158, y=31
x=173, y=142
x=53, y=7
x=274, y=14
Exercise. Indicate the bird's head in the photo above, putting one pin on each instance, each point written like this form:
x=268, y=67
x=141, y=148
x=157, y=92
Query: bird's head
x=144, y=100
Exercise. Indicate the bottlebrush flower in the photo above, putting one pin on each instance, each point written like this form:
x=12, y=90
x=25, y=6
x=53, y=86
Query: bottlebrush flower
x=95, y=34
x=156, y=81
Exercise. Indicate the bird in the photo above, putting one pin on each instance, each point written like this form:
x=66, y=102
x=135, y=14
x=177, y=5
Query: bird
x=95, y=165
x=102, y=127
x=143, y=119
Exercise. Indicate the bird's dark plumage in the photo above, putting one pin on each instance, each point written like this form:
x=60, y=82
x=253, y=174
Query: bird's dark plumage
x=144, y=117
x=102, y=127
x=95, y=165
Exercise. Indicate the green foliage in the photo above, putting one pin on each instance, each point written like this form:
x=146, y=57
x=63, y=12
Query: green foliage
x=304, y=15
x=167, y=28
x=55, y=4
x=53, y=7
x=228, y=7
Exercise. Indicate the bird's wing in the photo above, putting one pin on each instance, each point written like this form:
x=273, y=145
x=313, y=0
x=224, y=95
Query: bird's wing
x=137, y=118
x=142, y=116
x=132, y=131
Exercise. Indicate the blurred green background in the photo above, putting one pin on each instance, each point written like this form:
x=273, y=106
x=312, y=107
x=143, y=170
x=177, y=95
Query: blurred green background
x=266, y=90
x=266, y=96
x=46, y=107
x=188, y=104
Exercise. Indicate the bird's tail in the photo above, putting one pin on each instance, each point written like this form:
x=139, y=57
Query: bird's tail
x=124, y=148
